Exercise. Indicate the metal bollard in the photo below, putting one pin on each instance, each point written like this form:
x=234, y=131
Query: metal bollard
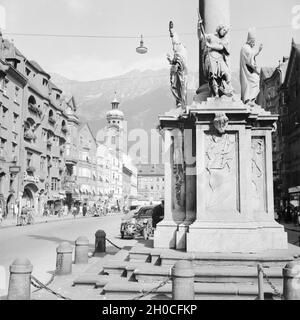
x=291, y=281
x=64, y=259
x=19, y=281
x=183, y=281
x=82, y=250
x=261, y=292
x=100, y=241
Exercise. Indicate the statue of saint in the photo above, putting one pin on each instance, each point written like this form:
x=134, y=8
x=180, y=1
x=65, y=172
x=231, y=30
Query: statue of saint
x=179, y=72
x=249, y=71
x=215, y=59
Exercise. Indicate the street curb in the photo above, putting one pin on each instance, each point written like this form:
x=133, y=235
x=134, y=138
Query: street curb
x=54, y=220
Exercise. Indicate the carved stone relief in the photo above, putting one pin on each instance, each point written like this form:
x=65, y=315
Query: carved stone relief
x=221, y=168
x=178, y=170
x=258, y=174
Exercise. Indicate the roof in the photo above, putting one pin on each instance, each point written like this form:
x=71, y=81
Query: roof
x=53, y=86
x=115, y=113
x=38, y=67
x=283, y=68
x=295, y=53
x=82, y=125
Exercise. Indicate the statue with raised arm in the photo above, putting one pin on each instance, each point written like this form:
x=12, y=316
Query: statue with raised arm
x=215, y=59
x=249, y=71
x=179, y=72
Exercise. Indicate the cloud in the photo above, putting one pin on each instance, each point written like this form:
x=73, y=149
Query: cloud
x=149, y=63
x=84, y=68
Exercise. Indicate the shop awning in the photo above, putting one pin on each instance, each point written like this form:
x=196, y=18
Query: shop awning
x=294, y=190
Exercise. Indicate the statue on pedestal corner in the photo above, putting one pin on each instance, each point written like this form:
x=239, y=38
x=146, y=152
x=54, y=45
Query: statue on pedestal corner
x=249, y=71
x=179, y=72
x=215, y=60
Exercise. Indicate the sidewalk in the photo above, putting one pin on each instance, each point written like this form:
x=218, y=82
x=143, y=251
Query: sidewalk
x=8, y=223
x=291, y=226
x=38, y=220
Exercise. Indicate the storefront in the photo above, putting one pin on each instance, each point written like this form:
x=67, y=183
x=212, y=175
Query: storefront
x=294, y=195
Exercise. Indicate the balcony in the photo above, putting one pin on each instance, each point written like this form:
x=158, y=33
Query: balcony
x=31, y=169
x=30, y=178
x=43, y=177
x=64, y=130
x=34, y=109
x=29, y=136
x=49, y=144
x=52, y=121
x=71, y=160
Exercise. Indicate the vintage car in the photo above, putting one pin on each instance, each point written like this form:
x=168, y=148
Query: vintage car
x=138, y=223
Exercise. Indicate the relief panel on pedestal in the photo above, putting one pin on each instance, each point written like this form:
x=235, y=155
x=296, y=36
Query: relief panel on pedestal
x=178, y=176
x=221, y=163
x=258, y=179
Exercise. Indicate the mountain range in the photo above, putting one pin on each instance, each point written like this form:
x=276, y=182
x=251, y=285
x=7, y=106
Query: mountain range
x=143, y=96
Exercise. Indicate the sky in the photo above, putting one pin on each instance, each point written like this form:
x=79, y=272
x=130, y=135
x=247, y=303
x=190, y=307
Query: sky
x=88, y=59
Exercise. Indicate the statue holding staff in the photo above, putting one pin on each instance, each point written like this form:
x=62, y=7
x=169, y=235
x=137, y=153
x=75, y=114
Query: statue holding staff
x=249, y=71
x=215, y=59
x=179, y=72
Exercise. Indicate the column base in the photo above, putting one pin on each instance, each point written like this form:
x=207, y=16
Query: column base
x=181, y=237
x=165, y=235
x=235, y=237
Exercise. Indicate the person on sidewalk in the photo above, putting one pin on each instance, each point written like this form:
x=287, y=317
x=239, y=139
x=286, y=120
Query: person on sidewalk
x=84, y=209
x=1, y=215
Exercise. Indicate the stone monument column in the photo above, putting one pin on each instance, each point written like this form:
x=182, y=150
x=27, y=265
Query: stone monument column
x=165, y=233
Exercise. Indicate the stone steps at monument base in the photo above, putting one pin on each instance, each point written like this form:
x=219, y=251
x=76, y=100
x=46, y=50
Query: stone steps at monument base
x=121, y=268
x=166, y=257
x=203, y=291
x=210, y=274
x=95, y=280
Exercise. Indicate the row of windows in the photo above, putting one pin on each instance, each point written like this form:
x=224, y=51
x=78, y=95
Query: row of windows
x=145, y=187
x=3, y=148
x=146, y=179
x=6, y=121
x=4, y=86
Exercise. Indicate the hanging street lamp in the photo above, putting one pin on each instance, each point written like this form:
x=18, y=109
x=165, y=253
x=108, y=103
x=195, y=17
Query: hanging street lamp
x=141, y=49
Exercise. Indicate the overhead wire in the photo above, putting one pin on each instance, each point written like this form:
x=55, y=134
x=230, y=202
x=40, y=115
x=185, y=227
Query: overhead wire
x=23, y=34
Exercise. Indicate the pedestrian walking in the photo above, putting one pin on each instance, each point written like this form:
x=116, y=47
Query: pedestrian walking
x=84, y=209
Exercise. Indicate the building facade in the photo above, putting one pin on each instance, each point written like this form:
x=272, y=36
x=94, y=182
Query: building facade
x=290, y=127
x=270, y=98
x=12, y=96
x=151, y=183
x=86, y=168
x=37, y=109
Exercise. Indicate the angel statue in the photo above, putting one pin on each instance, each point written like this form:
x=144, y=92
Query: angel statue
x=215, y=59
x=179, y=72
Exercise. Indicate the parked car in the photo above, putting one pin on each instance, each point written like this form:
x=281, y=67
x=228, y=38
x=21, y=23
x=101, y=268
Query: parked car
x=138, y=223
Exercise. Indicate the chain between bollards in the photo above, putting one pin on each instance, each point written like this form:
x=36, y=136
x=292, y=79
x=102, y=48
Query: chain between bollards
x=261, y=276
x=147, y=293
x=42, y=286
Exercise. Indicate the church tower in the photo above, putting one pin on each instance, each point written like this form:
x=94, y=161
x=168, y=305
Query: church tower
x=116, y=128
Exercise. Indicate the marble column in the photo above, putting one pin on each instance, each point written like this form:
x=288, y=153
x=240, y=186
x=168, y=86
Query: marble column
x=165, y=233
